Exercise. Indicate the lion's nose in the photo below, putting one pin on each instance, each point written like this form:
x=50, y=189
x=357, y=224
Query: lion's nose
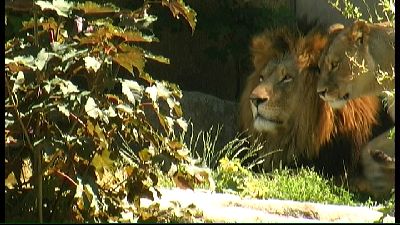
x=258, y=100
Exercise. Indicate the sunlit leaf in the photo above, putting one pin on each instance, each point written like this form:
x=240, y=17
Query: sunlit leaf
x=157, y=58
x=91, y=108
x=10, y=181
x=178, y=7
x=114, y=99
x=46, y=24
x=162, y=91
x=183, y=153
x=124, y=108
x=92, y=63
x=60, y=6
x=28, y=61
x=170, y=122
x=182, y=123
x=175, y=145
x=100, y=35
x=63, y=110
x=132, y=90
x=79, y=194
x=42, y=58
x=102, y=161
x=18, y=81
x=145, y=154
x=90, y=127
x=90, y=7
x=135, y=36
x=152, y=91
x=67, y=88
x=110, y=112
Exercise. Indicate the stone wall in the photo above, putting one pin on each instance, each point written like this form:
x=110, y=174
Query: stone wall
x=327, y=15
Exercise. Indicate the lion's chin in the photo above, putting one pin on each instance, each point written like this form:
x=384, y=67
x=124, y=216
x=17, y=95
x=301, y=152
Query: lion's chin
x=263, y=124
x=337, y=104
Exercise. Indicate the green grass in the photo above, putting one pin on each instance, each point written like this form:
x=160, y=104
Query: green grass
x=230, y=176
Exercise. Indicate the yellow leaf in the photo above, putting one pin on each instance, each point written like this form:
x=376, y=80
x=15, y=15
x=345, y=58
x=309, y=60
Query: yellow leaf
x=103, y=161
x=145, y=154
x=90, y=127
x=92, y=8
x=11, y=180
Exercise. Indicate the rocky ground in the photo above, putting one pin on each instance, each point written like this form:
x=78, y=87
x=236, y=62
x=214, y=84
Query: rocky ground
x=217, y=207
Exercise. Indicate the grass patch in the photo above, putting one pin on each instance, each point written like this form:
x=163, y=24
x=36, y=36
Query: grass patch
x=231, y=176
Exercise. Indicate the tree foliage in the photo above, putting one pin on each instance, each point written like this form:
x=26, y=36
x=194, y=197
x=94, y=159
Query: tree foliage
x=86, y=126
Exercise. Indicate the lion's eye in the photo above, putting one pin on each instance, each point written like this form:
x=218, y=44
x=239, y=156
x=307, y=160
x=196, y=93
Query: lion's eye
x=286, y=79
x=261, y=79
x=334, y=65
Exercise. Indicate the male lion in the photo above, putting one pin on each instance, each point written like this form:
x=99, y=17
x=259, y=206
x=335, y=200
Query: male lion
x=351, y=66
x=280, y=105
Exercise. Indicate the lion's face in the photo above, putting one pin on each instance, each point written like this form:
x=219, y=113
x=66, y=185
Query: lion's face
x=347, y=68
x=344, y=71
x=271, y=98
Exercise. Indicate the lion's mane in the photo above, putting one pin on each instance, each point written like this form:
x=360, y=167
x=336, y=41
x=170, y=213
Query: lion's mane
x=316, y=133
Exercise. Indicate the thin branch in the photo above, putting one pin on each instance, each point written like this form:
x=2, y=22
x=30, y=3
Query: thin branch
x=18, y=116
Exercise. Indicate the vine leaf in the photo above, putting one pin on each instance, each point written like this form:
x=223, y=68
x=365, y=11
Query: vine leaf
x=109, y=32
x=157, y=58
x=131, y=89
x=92, y=63
x=91, y=8
x=178, y=7
x=60, y=6
x=46, y=24
x=91, y=108
x=129, y=57
x=102, y=161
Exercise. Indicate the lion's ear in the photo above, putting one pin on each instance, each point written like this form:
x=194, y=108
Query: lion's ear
x=359, y=32
x=260, y=47
x=334, y=28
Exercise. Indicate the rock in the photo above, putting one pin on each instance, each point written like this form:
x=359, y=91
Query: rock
x=206, y=111
x=218, y=207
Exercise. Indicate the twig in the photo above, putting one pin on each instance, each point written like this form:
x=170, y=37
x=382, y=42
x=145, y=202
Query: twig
x=37, y=155
x=18, y=117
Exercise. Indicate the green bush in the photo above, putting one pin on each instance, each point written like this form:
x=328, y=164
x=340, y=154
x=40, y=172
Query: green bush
x=86, y=125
